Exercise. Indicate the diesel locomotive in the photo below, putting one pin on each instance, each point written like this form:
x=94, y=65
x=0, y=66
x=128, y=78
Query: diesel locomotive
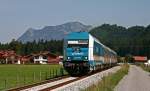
x=84, y=53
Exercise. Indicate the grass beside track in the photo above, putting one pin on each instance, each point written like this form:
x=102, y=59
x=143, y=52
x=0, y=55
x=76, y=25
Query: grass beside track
x=12, y=76
x=144, y=67
x=109, y=82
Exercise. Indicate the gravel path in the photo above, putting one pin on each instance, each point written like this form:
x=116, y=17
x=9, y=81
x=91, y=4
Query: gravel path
x=136, y=80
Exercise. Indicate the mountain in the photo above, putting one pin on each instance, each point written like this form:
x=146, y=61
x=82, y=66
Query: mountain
x=53, y=32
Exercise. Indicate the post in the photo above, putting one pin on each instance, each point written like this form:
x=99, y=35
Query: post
x=5, y=83
x=50, y=73
x=17, y=79
x=40, y=75
x=53, y=74
x=56, y=73
x=45, y=75
x=61, y=71
x=24, y=79
x=34, y=77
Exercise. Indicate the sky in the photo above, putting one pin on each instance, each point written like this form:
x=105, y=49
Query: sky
x=16, y=16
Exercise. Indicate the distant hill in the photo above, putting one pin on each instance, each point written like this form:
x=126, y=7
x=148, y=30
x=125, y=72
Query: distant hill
x=53, y=32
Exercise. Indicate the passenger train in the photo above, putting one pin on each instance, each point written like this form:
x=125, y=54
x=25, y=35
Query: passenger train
x=83, y=53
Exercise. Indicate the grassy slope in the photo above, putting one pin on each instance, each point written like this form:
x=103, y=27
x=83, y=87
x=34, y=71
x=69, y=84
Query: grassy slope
x=18, y=75
x=109, y=82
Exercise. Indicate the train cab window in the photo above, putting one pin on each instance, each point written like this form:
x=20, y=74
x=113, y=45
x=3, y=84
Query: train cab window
x=78, y=45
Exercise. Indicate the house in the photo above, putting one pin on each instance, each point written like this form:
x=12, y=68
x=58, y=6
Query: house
x=1, y=55
x=45, y=58
x=24, y=59
x=147, y=63
x=8, y=57
x=140, y=59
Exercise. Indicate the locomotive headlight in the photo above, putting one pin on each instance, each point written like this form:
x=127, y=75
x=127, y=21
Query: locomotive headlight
x=68, y=57
x=86, y=57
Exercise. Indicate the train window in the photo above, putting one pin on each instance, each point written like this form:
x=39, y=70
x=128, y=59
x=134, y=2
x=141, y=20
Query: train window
x=97, y=49
x=78, y=45
x=101, y=51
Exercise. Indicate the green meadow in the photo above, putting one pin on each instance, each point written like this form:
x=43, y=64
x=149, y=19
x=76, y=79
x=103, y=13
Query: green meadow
x=12, y=76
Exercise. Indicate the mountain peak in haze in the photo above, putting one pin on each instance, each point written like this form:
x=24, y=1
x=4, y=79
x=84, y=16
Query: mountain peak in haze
x=53, y=32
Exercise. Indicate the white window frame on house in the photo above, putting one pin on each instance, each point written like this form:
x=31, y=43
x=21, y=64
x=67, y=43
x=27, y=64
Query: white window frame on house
x=40, y=59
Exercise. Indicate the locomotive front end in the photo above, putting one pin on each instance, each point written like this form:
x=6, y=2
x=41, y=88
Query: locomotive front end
x=76, y=53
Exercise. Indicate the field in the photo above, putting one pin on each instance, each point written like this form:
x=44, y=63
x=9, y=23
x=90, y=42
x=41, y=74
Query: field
x=19, y=75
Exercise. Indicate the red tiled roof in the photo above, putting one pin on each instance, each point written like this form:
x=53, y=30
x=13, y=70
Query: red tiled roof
x=140, y=58
x=7, y=53
x=45, y=53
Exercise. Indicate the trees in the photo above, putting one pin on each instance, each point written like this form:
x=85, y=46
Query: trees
x=129, y=58
x=16, y=46
x=54, y=46
x=134, y=40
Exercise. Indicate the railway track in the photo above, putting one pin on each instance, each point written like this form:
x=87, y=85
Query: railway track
x=40, y=83
x=62, y=84
x=53, y=83
x=49, y=85
x=52, y=88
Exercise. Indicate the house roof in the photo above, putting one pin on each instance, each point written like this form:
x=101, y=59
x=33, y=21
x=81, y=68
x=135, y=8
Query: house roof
x=7, y=53
x=140, y=58
x=44, y=53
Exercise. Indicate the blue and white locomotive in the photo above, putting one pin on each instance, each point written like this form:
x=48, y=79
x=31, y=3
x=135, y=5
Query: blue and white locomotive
x=84, y=53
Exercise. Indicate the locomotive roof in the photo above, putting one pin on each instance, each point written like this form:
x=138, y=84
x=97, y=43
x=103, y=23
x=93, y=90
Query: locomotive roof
x=78, y=35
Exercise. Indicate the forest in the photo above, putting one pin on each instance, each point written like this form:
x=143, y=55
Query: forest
x=134, y=40
x=53, y=46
